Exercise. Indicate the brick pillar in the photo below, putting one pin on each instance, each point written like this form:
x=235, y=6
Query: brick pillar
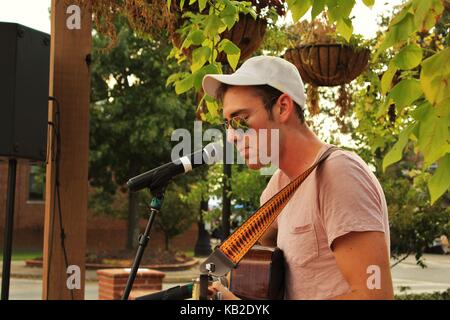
x=112, y=282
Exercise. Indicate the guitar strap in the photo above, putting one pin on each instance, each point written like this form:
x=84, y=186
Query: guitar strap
x=228, y=254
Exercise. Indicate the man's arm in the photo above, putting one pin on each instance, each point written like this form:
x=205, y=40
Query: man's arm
x=363, y=260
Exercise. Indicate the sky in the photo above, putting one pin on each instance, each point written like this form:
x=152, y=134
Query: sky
x=35, y=14
x=30, y=13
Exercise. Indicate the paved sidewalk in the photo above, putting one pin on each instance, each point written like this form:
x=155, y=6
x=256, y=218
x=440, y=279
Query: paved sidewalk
x=26, y=282
x=20, y=270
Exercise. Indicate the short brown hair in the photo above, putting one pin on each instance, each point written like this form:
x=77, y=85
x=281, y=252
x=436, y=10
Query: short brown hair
x=267, y=93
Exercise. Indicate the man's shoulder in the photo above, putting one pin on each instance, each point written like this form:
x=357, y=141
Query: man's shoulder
x=344, y=167
x=344, y=159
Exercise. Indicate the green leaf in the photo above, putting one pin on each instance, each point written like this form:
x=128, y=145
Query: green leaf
x=433, y=137
x=173, y=78
x=228, y=47
x=435, y=76
x=212, y=25
x=232, y=51
x=229, y=15
x=199, y=57
x=443, y=108
x=421, y=111
x=198, y=76
x=317, y=8
x=168, y=4
x=181, y=4
x=386, y=79
x=184, y=85
x=197, y=37
x=344, y=27
x=339, y=9
x=383, y=108
x=369, y=3
x=406, y=92
x=409, y=57
x=439, y=183
x=401, y=15
x=426, y=13
x=298, y=8
x=397, y=33
x=213, y=108
x=202, y=4
x=395, y=154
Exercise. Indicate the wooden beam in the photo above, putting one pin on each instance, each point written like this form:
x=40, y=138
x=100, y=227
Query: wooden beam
x=70, y=85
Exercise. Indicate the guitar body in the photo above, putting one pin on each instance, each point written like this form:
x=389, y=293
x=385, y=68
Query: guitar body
x=259, y=275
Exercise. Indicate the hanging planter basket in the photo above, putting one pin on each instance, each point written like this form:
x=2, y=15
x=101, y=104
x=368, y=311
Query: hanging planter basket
x=328, y=64
x=247, y=34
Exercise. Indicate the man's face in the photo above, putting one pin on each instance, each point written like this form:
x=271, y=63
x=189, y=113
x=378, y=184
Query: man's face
x=244, y=103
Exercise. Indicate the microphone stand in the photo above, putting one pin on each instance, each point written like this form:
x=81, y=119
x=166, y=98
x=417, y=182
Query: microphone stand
x=155, y=207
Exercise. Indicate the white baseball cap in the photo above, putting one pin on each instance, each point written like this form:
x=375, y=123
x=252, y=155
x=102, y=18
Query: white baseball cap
x=273, y=71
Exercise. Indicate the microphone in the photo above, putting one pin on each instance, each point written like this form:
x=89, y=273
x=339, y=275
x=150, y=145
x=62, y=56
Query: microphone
x=158, y=177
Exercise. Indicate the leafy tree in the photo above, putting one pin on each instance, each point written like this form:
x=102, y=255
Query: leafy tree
x=416, y=218
x=414, y=222
x=178, y=212
x=133, y=114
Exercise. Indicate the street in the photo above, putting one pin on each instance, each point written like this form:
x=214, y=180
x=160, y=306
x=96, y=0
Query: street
x=436, y=277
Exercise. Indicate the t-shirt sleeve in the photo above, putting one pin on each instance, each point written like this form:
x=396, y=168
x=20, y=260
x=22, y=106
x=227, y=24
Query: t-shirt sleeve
x=349, y=198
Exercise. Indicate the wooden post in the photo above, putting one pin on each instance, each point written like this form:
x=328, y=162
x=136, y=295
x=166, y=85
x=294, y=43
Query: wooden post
x=70, y=85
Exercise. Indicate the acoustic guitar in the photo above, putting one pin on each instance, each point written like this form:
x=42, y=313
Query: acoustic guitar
x=259, y=275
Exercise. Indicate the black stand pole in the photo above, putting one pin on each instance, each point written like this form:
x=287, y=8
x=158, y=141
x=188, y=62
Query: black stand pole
x=9, y=223
x=155, y=206
x=226, y=198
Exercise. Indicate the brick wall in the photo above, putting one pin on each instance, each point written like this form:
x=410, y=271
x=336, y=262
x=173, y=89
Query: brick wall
x=112, y=282
x=104, y=233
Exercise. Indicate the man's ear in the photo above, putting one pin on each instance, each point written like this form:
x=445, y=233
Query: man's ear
x=286, y=107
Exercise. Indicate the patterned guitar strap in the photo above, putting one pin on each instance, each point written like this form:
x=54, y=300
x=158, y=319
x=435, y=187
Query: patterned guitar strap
x=228, y=254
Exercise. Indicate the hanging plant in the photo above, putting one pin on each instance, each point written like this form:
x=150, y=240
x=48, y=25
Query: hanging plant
x=247, y=33
x=312, y=100
x=324, y=58
x=149, y=17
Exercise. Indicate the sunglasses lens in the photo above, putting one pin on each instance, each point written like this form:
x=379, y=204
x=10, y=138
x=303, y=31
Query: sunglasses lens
x=236, y=123
x=239, y=123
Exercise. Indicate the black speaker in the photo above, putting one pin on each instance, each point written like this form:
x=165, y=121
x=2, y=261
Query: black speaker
x=24, y=84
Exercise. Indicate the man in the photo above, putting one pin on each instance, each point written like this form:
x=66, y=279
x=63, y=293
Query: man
x=334, y=231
